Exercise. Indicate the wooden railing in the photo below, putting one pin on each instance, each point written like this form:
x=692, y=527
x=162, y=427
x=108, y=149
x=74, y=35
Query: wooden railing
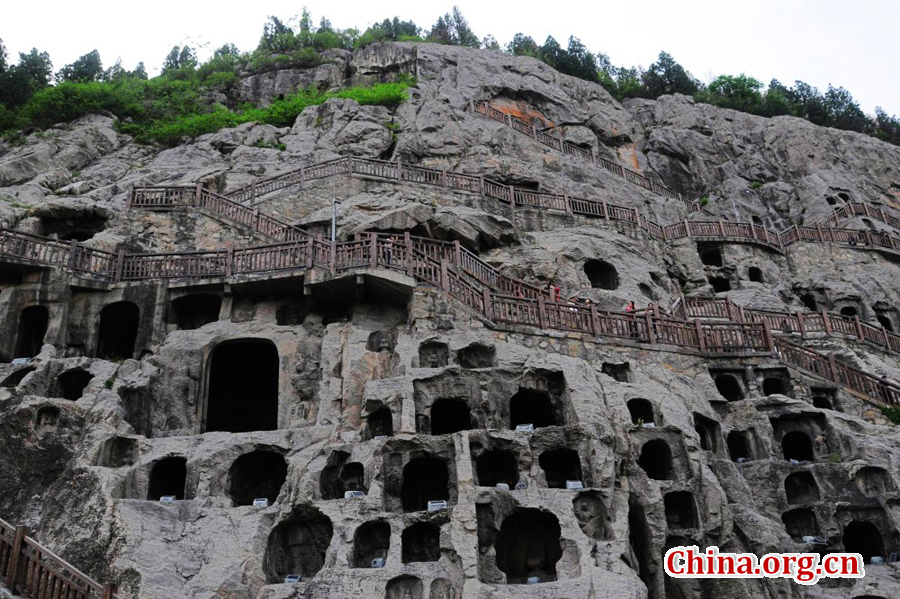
x=829, y=323
x=480, y=287
x=228, y=207
x=32, y=571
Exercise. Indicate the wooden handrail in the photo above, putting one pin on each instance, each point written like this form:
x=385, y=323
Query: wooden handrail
x=438, y=263
x=30, y=570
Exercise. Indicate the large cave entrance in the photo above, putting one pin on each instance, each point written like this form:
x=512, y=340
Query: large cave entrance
x=118, y=331
x=863, y=538
x=528, y=547
x=32, y=328
x=243, y=387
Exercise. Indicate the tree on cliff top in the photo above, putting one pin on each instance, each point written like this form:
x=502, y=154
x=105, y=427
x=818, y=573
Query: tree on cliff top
x=453, y=29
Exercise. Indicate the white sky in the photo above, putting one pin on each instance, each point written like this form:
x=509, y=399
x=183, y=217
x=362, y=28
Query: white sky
x=851, y=44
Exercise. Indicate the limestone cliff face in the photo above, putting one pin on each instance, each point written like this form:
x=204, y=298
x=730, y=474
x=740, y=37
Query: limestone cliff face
x=405, y=394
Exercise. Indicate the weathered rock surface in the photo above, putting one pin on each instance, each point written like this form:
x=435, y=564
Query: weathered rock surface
x=405, y=395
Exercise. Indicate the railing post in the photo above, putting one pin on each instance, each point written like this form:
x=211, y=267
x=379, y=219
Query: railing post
x=770, y=340
x=486, y=299
x=333, y=259
x=800, y=324
x=229, y=259
x=481, y=185
x=560, y=138
x=130, y=198
x=198, y=194
x=373, y=244
x=687, y=229
x=410, y=259
x=14, y=558
x=253, y=190
x=701, y=340
x=73, y=250
x=399, y=170
x=542, y=312
x=512, y=197
x=109, y=589
x=310, y=252
x=827, y=322
x=457, y=253
x=752, y=229
x=302, y=175
x=605, y=210
x=255, y=216
x=444, y=178
x=858, y=327
x=120, y=263
x=832, y=366
x=445, y=280
x=595, y=320
x=721, y=228
x=593, y=155
x=534, y=132
x=568, y=205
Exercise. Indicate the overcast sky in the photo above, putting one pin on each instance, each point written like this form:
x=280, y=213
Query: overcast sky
x=851, y=44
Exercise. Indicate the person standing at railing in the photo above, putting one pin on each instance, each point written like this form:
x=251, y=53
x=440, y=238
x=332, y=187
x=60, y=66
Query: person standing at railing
x=629, y=309
x=554, y=292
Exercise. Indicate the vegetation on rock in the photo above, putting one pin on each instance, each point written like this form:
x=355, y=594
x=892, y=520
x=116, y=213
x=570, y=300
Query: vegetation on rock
x=183, y=100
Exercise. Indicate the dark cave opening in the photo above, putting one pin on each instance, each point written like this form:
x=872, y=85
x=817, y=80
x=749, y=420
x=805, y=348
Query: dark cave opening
x=256, y=475
x=641, y=410
x=531, y=407
x=243, y=387
x=495, y=466
x=168, y=477
x=728, y=387
x=118, y=331
x=863, y=538
x=380, y=423
x=33, y=323
x=450, y=415
x=656, y=459
x=709, y=432
x=424, y=479
x=801, y=487
x=560, y=465
x=720, y=284
x=196, y=310
x=601, y=274
x=754, y=273
x=796, y=445
x=371, y=541
x=421, y=542
x=773, y=386
x=680, y=510
x=528, y=546
x=739, y=446
x=72, y=383
x=800, y=522
x=297, y=546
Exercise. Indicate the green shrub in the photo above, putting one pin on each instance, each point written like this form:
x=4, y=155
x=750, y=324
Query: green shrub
x=704, y=200
x=756, y=184
x=892, y=413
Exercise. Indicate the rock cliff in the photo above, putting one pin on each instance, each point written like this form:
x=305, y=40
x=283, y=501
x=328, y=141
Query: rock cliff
x=300, y=390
